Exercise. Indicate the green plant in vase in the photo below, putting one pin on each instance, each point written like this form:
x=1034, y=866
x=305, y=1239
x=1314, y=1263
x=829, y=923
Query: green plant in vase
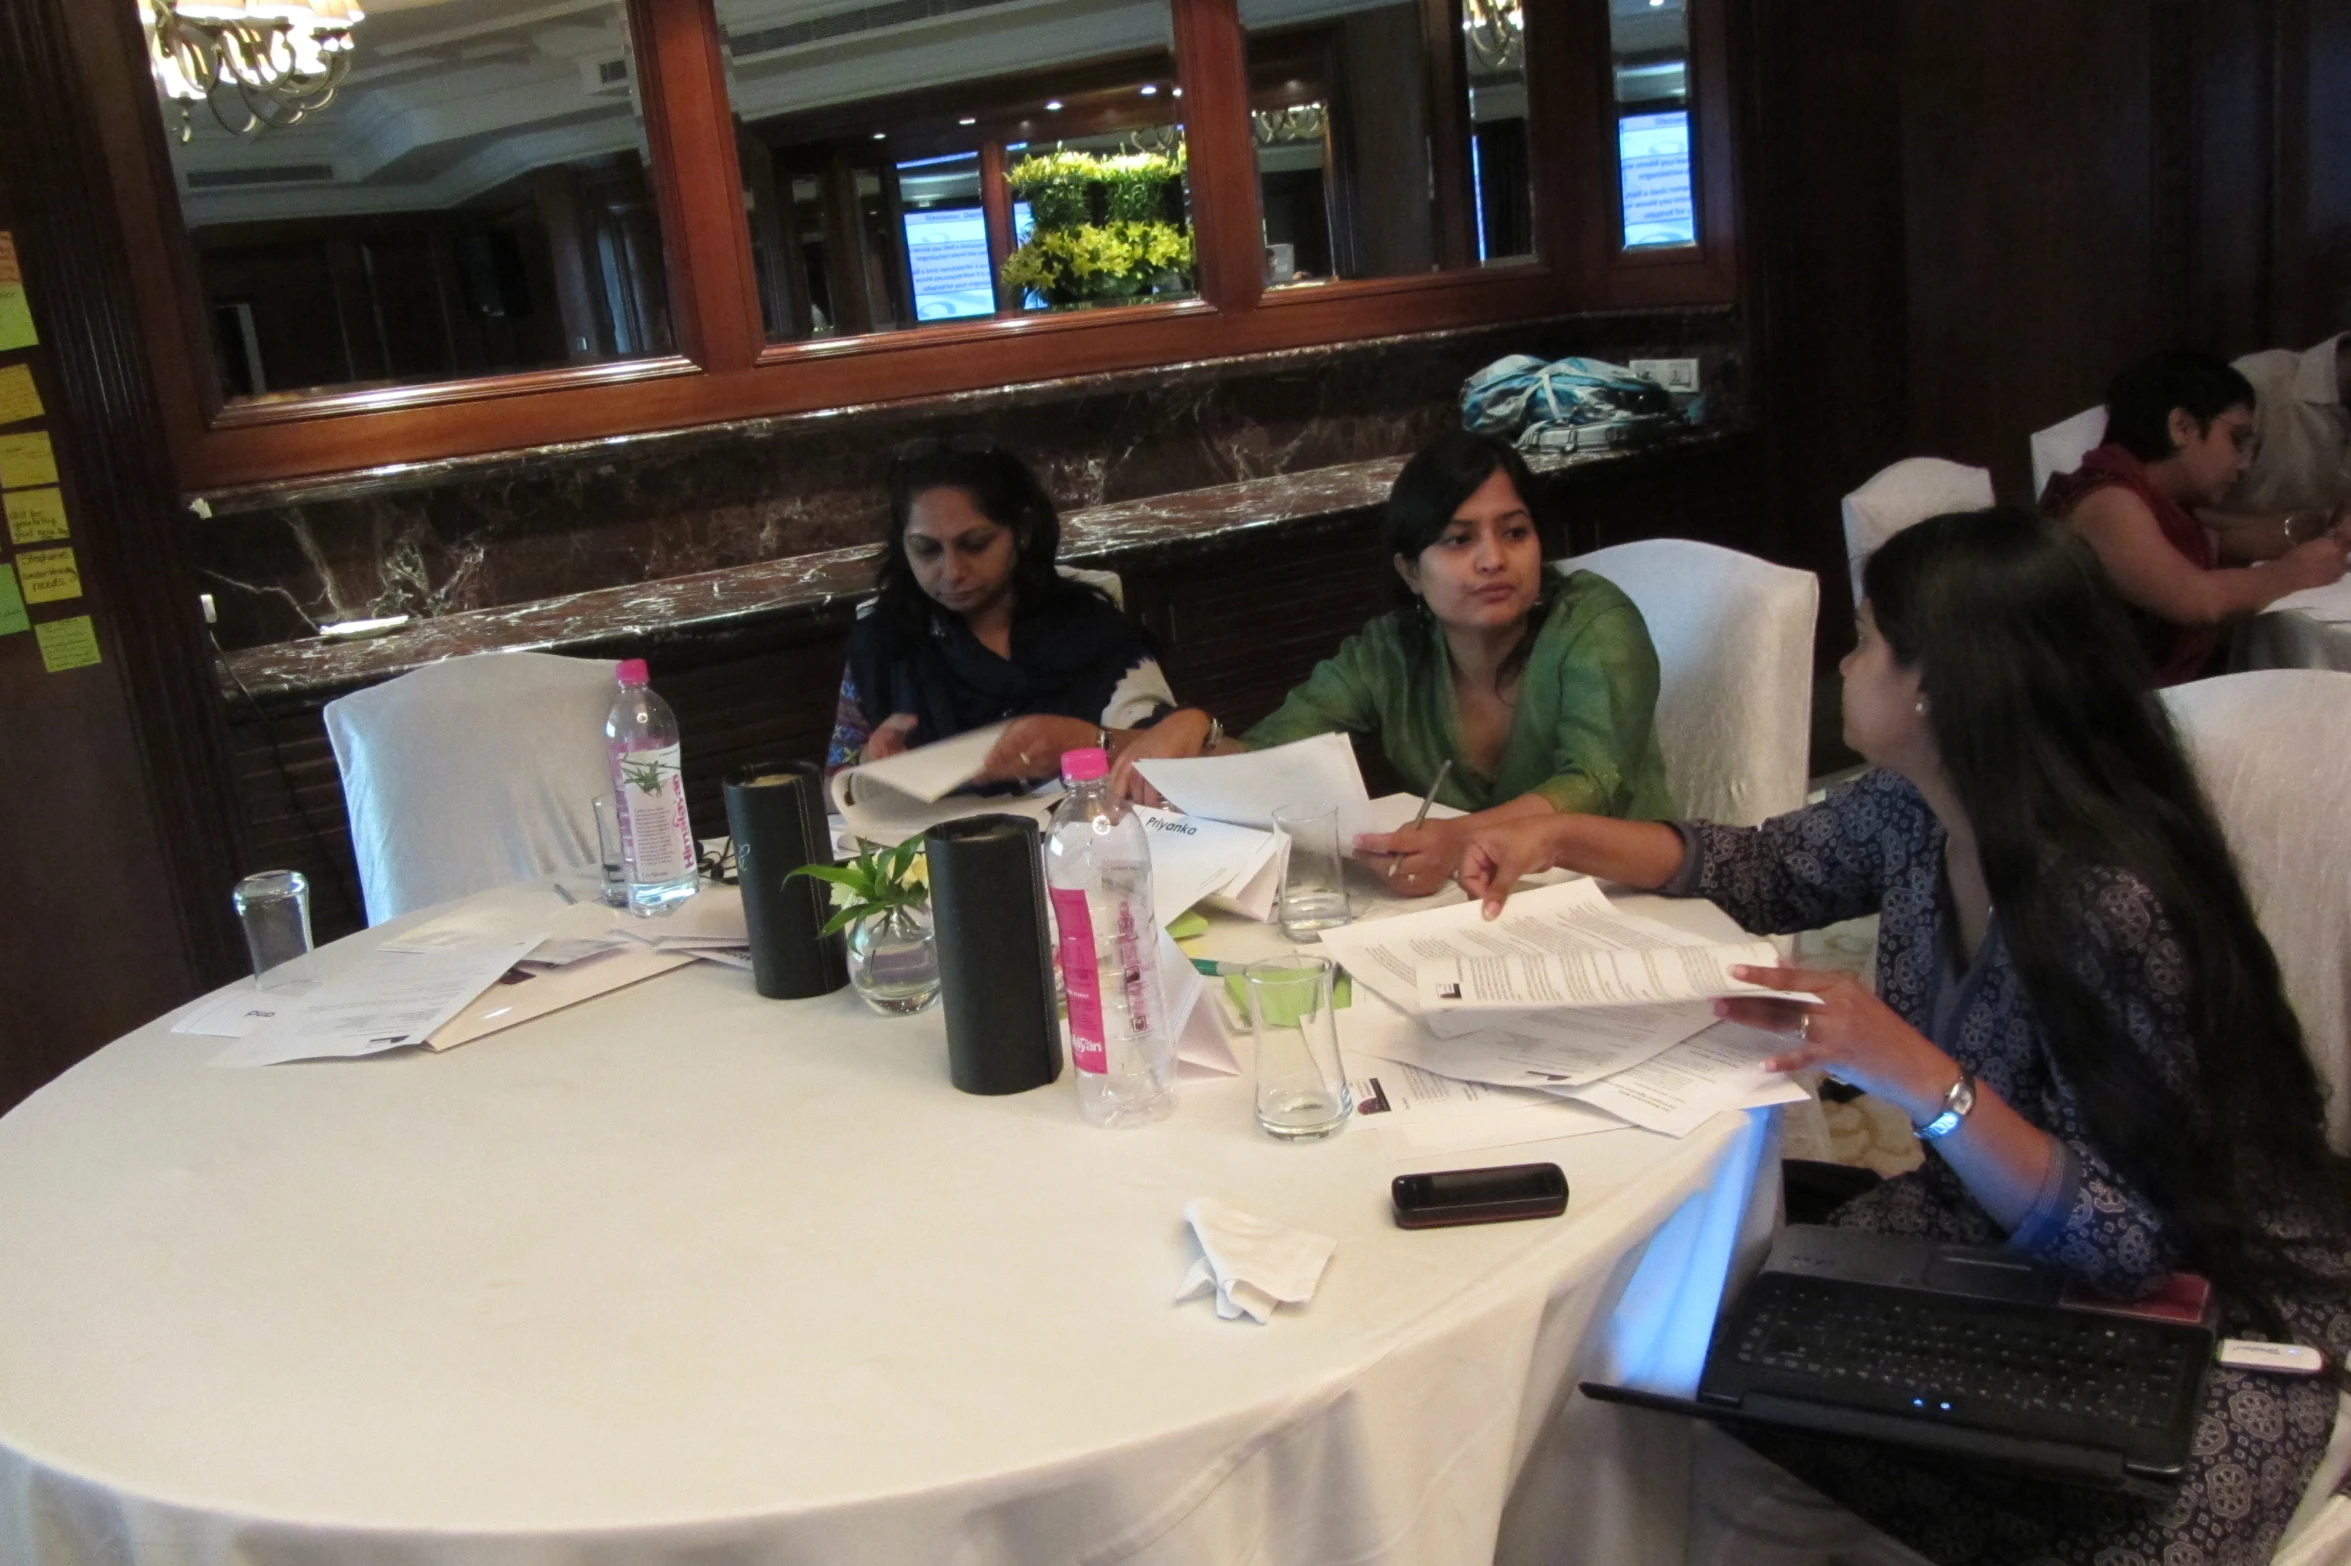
x=882, y=897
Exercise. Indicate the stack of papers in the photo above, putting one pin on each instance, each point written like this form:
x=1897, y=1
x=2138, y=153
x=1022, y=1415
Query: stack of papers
x=1565, y=997
x=2331, y=604
x=501, y=959
x=1246, y=789
x=903, y=796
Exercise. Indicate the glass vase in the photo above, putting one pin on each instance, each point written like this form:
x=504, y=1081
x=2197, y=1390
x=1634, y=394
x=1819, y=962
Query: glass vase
x=894, y=961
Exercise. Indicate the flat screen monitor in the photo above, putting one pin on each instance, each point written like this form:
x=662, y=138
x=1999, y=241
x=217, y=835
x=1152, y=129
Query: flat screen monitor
x=947, y=255
x=1653, y=153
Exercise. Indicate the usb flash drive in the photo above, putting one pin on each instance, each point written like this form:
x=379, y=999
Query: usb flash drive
x=2278, y=1359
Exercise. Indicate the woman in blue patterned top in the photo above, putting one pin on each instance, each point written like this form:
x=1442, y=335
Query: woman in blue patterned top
x=2075, y=1005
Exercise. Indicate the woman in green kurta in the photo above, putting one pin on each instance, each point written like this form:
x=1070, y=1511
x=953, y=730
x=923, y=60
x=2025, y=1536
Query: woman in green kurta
x=1541, y=691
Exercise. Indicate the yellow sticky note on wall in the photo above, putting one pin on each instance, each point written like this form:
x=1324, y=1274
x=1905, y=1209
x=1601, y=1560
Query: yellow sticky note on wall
x=11, y=275
x=27, y=460
x=49, y=575
x=16, y=319
x=12, y=615
x=36, y=516
x=67, y=644
x=20, y=399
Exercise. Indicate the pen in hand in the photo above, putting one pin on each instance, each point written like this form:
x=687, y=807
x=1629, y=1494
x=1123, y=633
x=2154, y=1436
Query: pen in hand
x=1422, y=817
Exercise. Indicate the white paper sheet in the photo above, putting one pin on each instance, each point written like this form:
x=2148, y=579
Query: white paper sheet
x=1686, y=1086
x=1200, y=1036
x=2331, y=603
x=927, y=773
x=238, y=1012
x=711, y=917
x=1418, y=1112
x=1511, y=982
x=1388, y=813
x=1385, y=953
x=1193, y=857
x=1246, y=789
x=889, y=801
x=1540, y=1052
x=384, y=1000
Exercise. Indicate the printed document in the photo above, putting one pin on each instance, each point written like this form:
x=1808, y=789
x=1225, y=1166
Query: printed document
x=1418, y=1112
x=384, y=1000
x=1512, y=982
x=1246, y=789
x=1686, y=1086
x=903, y=796
x=1565, y=1049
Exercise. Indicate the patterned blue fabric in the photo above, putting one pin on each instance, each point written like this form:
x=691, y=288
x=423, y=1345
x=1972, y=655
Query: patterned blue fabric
x=1873, y=846
x=1519, y=396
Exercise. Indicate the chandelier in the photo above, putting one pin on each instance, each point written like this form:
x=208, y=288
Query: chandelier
x=1496, y=33
x=1298, y=122
x=276, y=59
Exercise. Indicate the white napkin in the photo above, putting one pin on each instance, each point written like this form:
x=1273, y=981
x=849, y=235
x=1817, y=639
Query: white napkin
x=1252, y=1264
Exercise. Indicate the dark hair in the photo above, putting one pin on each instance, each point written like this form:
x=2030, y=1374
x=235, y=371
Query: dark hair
x=2140, y=402
x=2070, y=771
x=1439, y=478
x=1002, y=489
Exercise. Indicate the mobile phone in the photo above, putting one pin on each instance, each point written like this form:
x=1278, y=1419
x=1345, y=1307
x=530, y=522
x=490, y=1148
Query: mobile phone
x=1433, y=1201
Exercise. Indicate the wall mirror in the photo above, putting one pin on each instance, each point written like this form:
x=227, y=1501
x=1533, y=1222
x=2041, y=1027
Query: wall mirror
x=908, y=164
x=1391, y=135
x=472, y=198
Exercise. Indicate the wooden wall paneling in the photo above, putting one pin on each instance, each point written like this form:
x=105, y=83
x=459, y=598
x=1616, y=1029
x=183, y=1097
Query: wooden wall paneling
x=2314, y=65
x=1221, y=151
x=290, y=801
x=698, y=182
x=1822, y=131
x=130, y=824
x=2031, y=218
x=1445, y=55
x=996, y=209
x=2229, y=291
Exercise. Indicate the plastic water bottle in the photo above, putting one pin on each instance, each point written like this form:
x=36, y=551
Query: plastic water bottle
x=649, y=795
x=1098, y=874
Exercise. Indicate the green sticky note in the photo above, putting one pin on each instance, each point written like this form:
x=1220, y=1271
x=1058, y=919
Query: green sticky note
x=12, y=615
x=67, y=644
x=1184, y=926
x=16, y=319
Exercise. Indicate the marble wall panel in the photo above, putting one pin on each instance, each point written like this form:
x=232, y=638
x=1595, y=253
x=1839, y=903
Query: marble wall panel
x=434, y=539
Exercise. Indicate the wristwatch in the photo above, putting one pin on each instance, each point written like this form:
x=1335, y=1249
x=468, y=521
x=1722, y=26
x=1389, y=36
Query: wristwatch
x=1956, y=1104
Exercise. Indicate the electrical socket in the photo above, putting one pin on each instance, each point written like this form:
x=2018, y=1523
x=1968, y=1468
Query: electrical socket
x=1675, y=375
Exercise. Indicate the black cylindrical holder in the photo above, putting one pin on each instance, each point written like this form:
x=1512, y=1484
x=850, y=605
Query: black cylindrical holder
x=995, y=953
x=776, y=812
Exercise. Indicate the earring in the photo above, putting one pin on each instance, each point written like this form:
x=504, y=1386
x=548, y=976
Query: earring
x=1922, y=706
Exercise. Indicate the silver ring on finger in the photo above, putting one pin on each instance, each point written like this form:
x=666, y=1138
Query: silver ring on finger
x=1804, y=1027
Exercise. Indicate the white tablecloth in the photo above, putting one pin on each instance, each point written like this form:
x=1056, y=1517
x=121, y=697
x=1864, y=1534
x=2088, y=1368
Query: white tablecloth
x=2306, y=630
x=688, y=1276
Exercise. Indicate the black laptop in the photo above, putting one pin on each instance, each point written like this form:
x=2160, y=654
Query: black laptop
x=1964, y=1353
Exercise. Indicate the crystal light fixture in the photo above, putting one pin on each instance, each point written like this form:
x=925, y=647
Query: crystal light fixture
x=277, y=59
x=1496, y=33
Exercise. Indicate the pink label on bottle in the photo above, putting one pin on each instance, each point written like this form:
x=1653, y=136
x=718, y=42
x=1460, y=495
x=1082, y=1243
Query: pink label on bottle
x=1081, y=980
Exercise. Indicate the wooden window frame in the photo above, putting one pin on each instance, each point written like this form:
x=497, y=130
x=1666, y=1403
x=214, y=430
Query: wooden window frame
x=724, y=369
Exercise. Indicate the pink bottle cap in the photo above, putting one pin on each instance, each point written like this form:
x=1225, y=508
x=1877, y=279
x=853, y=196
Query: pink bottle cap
x=1084, y=766
x=631, y=671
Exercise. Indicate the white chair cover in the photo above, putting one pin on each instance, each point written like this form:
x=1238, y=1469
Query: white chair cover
x=2061, y=447
x=2272, y=748
x=1734, y=644
x=471, y=773
x=1904, y=495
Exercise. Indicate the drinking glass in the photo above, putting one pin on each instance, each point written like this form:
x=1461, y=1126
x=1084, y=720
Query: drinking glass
x=1314, y=881
x=616, y=875
x=274, y=908
x=1301, y=1084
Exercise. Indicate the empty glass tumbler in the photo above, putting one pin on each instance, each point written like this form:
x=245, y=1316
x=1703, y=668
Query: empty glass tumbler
x=608, y=853
x=1301, y=1083
x=274, y=908
x=1314, y=877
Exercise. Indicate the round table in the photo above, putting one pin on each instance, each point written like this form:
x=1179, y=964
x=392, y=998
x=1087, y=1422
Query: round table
x=686, y=1275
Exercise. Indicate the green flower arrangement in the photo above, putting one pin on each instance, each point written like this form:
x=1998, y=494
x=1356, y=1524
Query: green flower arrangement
x=880, y=883
x=1103, y=231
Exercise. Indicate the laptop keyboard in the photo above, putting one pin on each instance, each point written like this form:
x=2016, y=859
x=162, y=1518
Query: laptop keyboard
x=1973, y=1362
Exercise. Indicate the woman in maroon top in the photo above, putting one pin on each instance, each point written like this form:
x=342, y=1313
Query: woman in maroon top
x=2179, y=433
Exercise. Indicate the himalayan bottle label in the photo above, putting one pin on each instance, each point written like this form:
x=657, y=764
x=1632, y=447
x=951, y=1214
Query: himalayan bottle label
x=653, y=795
x=1081, y=979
